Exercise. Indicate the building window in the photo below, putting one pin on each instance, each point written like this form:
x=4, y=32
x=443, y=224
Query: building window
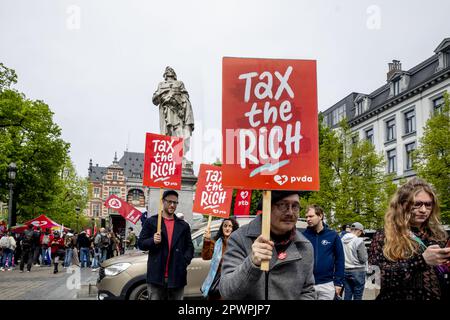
x=355, y=139
x=359, y=108
x=390, y=130
x=392, y=161
x=114, y=190
x=114, y=176
x=337, y=115
x=325, y=121
x=409, y=148
x=438, y=104
x=96, y=210
x=396, y=87
x=410, y=121
x=369, y=135
x=136, y=175
x=96, y=192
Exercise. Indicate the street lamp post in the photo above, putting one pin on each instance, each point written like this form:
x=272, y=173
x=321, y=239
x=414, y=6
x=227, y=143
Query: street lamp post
x=77, y=209
x=12, y=170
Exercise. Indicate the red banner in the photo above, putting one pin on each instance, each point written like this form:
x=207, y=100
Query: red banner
x=211, y=197
x=242, y=202
x=163, y=161
x=123, y=208
x=269, y=124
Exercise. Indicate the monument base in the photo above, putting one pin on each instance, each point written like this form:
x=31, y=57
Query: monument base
x=185, y=197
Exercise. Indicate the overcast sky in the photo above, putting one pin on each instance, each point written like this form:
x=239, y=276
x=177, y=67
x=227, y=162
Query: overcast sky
x=97, y=63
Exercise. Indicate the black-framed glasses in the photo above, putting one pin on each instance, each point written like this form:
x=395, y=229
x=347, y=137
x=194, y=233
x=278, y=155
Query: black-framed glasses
x=170, y=202
x=285, y=206
x=418, y=204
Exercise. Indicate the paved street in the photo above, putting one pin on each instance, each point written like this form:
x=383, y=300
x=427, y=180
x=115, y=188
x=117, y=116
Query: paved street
x=42, y=284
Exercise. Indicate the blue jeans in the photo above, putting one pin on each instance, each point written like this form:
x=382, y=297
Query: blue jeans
x=68, y=258
x=97, y=257
x=7, y=256
x=104, y=254
x=44, y=251
x=354, y=282
x=84, y=257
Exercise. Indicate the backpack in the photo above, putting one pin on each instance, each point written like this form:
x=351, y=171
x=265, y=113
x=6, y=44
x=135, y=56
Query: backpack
x=104, y=241
x=28, y=239
x=4, y=242
x=46, y=239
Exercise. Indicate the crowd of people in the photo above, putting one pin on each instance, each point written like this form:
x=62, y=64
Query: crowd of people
x=47, y=248
x=410, y=252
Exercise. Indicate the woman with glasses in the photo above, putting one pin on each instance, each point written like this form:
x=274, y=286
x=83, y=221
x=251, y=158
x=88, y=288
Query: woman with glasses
x=410, y=250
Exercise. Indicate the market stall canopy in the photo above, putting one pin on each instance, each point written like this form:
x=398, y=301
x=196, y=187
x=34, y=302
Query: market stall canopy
x=42, y=221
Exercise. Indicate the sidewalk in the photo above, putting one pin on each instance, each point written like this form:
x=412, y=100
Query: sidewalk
x=42, y=284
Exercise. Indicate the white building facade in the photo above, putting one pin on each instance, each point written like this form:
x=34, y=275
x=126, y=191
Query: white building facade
x=393, y=116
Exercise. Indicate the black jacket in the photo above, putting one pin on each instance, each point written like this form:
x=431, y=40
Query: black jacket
x=83, y=241
x=181, y=252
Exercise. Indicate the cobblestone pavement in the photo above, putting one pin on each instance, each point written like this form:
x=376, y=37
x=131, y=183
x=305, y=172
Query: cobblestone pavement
x=42, y=284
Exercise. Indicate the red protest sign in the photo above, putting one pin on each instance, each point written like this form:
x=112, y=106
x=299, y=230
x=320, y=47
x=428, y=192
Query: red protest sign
x=163, y=161
x=123, y=208
x=269, y=124
x=242, y=202
x=211, y=197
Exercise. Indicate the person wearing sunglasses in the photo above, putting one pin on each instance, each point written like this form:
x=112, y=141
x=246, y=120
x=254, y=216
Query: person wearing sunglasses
x=169, y=252
x=410, y=249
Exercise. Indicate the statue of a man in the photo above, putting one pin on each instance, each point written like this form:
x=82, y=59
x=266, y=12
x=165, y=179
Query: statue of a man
x=176, y=118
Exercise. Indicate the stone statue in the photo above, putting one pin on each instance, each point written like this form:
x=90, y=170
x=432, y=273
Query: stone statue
x=176, y=118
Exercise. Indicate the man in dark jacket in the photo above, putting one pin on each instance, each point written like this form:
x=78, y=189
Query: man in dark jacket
x=27, y=249
x=329, y=259
x=84, y=243
x=169, y=252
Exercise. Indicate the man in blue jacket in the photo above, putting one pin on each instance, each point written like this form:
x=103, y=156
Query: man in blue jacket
x=329, y=259
x=169, y=252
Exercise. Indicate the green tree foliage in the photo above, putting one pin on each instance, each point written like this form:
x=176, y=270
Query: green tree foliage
x=31, y=139
x=72, y=193
x=432, y=158
x=353, y=186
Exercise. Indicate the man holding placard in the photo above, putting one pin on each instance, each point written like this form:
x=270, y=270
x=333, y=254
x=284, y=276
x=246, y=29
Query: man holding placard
x=289, y=253
x=169, y=252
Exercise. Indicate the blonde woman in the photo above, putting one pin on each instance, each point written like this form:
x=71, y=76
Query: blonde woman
x=410, y=250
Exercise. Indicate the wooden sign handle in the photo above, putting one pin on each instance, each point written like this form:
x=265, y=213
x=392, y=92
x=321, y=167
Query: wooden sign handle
x=158, y=228
x=267, y=195
x=208, y=227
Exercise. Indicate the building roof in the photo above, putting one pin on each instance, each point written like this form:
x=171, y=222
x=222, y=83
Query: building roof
x=96, y=173
x=132, y=164
x=419, y=75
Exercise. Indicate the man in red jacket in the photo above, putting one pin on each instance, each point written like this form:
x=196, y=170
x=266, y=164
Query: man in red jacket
x=57, y=249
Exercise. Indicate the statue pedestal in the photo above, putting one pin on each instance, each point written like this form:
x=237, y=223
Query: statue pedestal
x=185, y=195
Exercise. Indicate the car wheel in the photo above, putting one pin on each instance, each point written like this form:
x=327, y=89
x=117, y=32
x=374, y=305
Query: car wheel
x=139, y=293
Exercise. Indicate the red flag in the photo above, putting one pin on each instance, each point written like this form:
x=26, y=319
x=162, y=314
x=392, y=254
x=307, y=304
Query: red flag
x=123, y=208
x=242, y=202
